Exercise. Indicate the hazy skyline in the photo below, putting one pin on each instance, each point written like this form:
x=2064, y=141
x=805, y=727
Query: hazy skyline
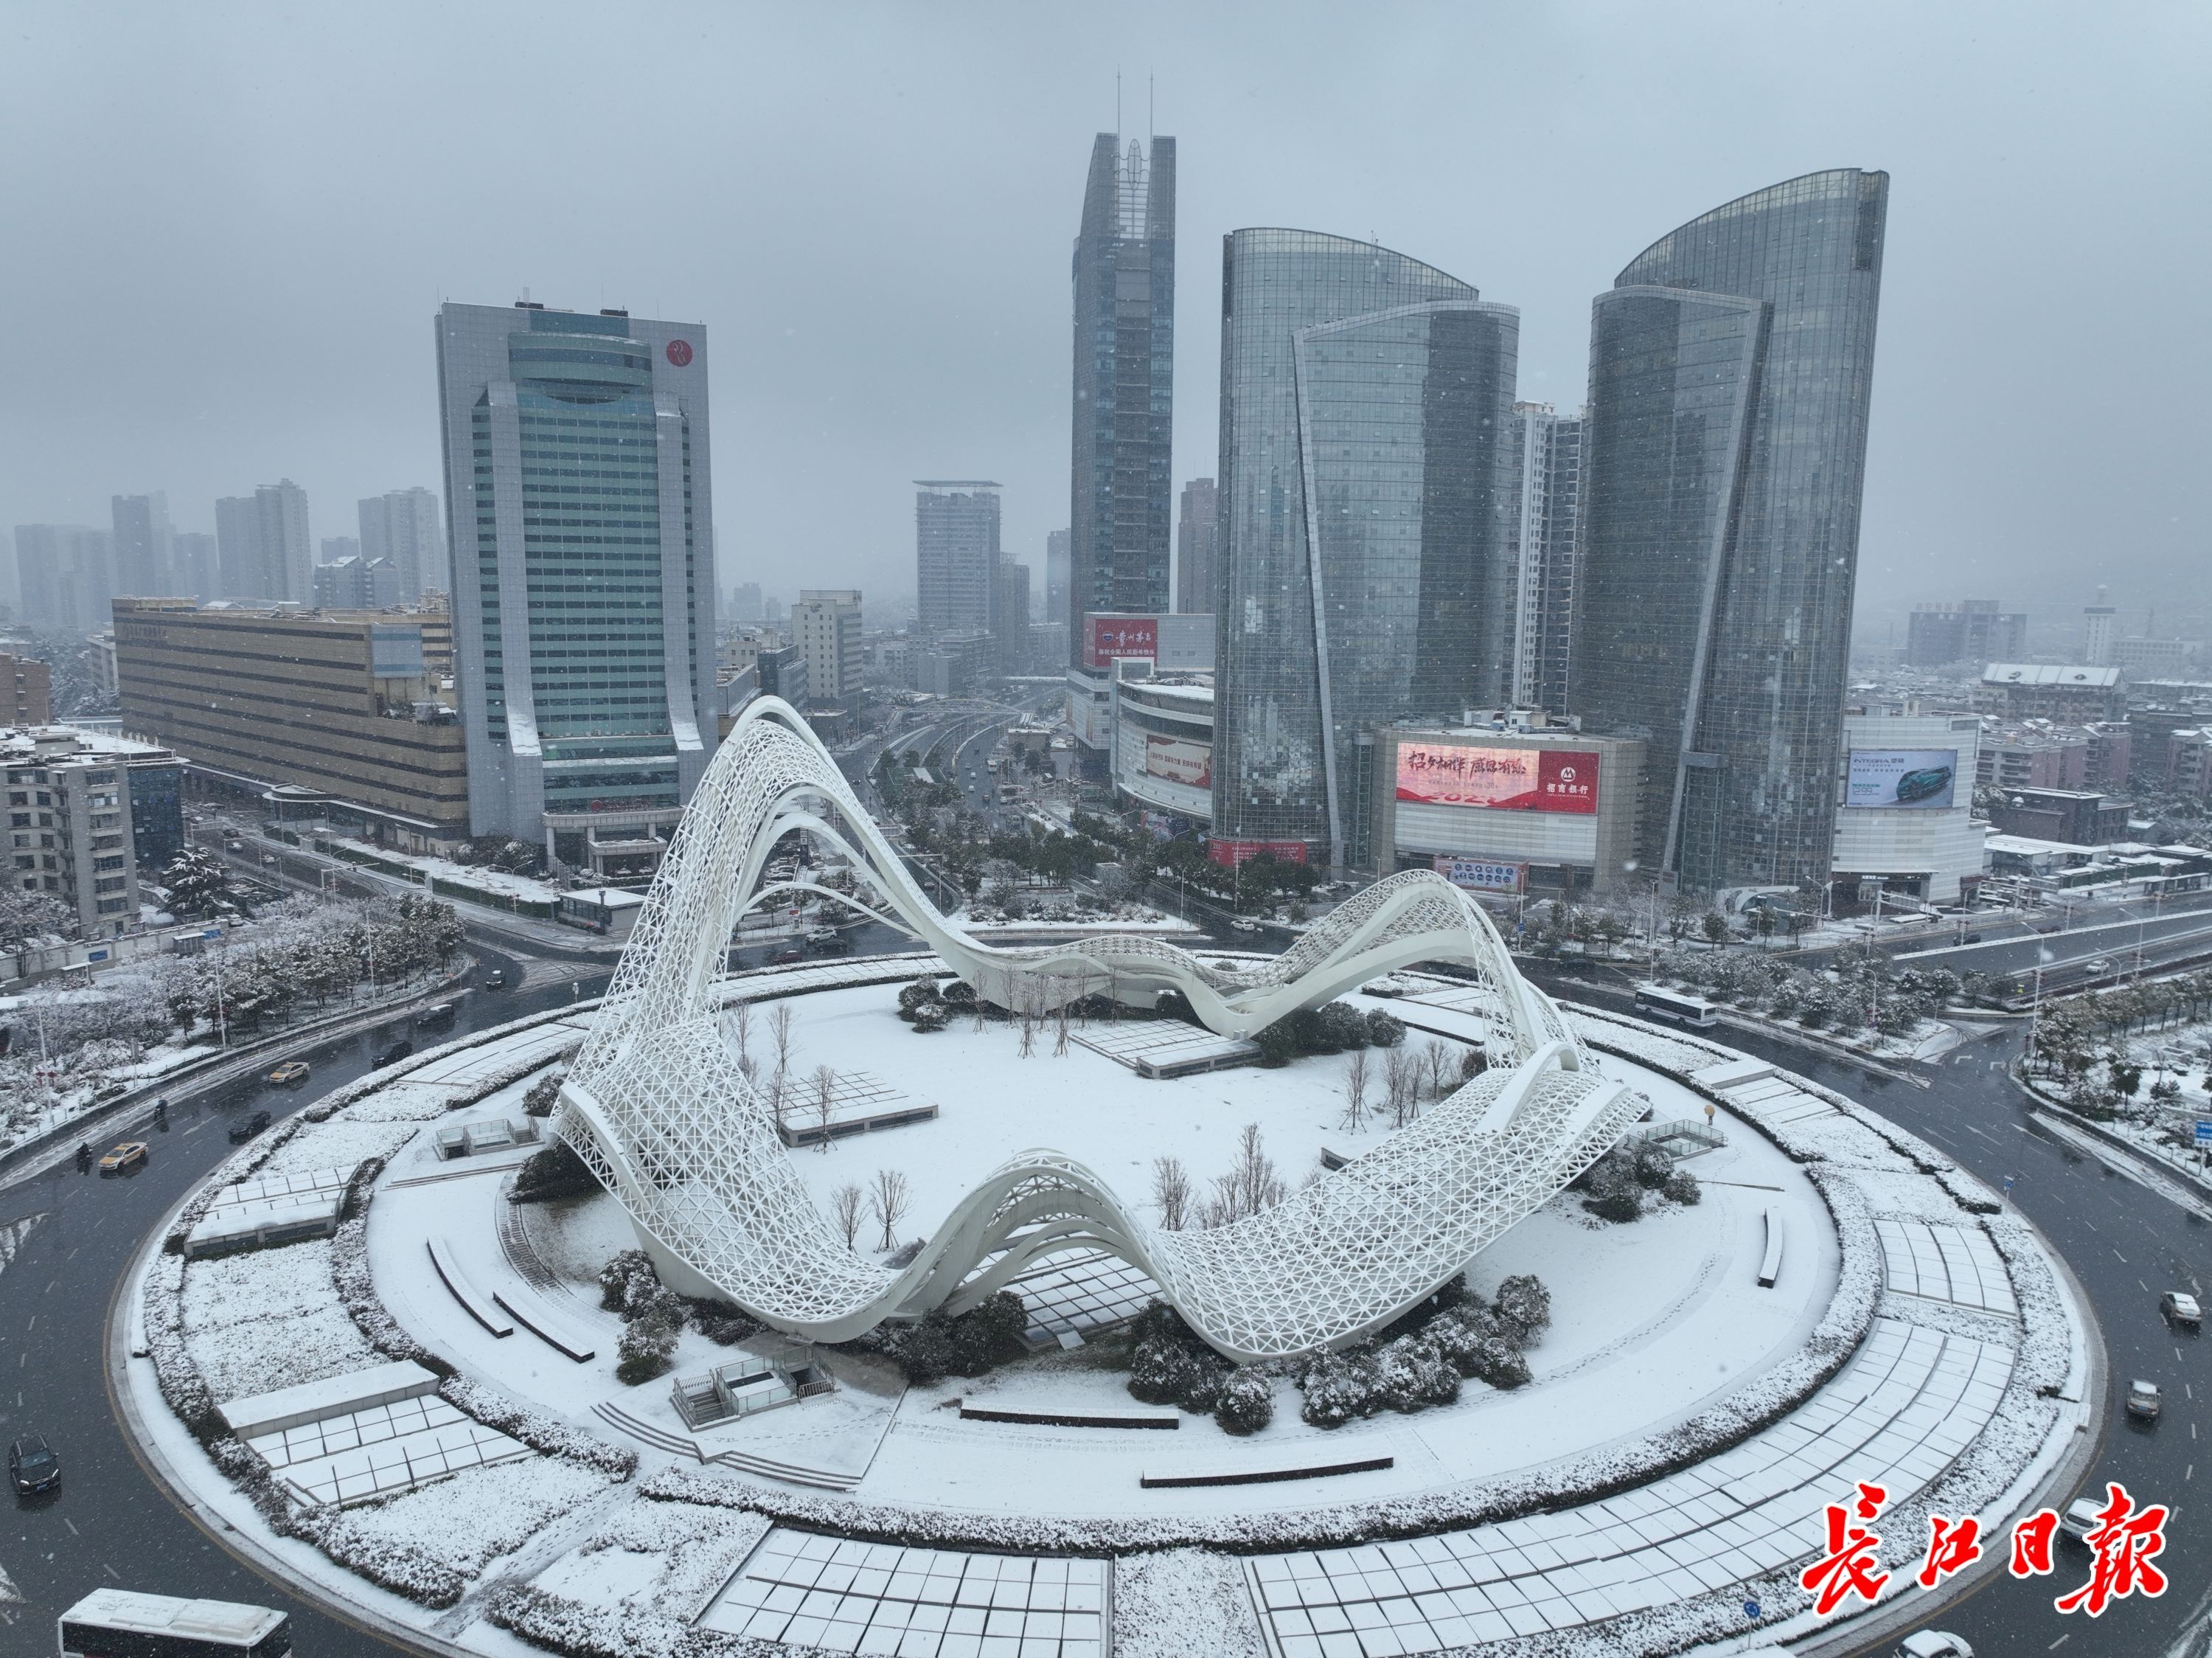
x=231, y=229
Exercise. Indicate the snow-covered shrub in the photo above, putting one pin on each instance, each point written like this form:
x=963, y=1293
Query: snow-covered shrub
x=1497, y=1362
x=1682, y=1187
x=928, y=1016
x=1336, y=1027
x=936, y=1346
x=1338, y=1387
x=544, y=1093
x=1653, y=1166
x=1612, y=1187
x=1384, y=1029
x=922, y=993
x=1411, y=1374
x=1245, y=1402
x=720, y=1322
x=554, y=1172
x=1171, y=1365
x=626, y=1283
x=540, y=1432
x=1524, y=1306
x=645, y=1349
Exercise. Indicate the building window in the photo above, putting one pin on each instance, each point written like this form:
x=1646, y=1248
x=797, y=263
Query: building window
x=110, y=906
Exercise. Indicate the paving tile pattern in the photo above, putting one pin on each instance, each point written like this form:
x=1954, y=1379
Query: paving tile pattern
x=807, y=1590
x=372, y=1452
x=1909, y=1401
x=1943, y=1262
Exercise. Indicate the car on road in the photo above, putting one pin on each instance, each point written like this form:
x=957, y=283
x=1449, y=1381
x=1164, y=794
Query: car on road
x=291, y=1071
x=2080, y=1518
x=244, y=1128
x=495, y=979
x=129, y=1155
x=786, y=956
x=392, y=1055
x=1242, y=925
x=33, y=1467
x=2144, y=1401
x=2176, y=1307
x=438, y=1018
x=1932, y=1643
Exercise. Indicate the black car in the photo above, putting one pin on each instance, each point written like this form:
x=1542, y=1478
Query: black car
x=33, y=1467
x=394, y=1054
x=437, y=1018
x=495, y=979
x=245, y=1128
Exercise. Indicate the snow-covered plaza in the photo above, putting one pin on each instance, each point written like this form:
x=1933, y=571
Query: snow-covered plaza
x=415, y=1410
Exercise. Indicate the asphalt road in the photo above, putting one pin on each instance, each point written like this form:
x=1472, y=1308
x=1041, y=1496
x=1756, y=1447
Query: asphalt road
x=2124, y=1245
x=2115, y=939
x=108, y=1525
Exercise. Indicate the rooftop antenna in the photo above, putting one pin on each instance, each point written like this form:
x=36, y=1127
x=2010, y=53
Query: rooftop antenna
x=1117, y=108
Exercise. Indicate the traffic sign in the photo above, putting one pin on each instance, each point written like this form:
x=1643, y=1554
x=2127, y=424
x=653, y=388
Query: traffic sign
x=2203, y=1133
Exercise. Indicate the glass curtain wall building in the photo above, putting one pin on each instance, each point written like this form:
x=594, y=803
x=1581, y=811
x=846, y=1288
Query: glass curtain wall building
x=1122, y=479
x=582, y=574
x=1730, y=373
x=1547, y=459
x=1366, y=485
x=955, y=556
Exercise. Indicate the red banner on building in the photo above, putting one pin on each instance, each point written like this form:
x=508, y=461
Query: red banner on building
x=1105, y=637
x=1234, y=852
x=1498, y=780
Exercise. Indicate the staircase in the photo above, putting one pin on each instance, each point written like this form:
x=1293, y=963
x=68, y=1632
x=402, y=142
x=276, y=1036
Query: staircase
x=662, y=1439
x=521, y=1254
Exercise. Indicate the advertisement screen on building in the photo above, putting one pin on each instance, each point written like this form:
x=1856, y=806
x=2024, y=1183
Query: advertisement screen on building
x=1105, y=637
x=1234, y=852
x=1919, y=779
x=1482, y=874
x=1178, y=761
x=1498, y=780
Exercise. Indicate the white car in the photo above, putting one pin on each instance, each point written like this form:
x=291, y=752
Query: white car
x=2080, y=1518
x=1932, y=1643
x=2177, y=1307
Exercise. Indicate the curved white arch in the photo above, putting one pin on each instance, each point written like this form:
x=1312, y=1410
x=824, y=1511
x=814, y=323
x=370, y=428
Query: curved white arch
x=658, y=1106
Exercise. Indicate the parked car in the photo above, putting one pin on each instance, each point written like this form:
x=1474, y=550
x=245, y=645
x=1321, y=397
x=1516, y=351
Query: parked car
x=786, y=956
x=2176, y=1307
x=129, y=1155
x=495, y=979
x=2144, y=1400
x=244, y=1128
x=392, y=1055
x=290, y=1072
x=33, y=1467
x=2080, y=1518
x=1932, y=1643
x=438, y=1018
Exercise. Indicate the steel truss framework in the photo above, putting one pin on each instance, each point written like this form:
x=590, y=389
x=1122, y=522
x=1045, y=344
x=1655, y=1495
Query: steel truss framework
x=658, y=1106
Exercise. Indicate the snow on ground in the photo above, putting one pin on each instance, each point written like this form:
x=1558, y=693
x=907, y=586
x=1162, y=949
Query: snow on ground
x=270, y=1319
x=473, y=1517
x=339, y=1144
x=664, y=1558
x=993, y=1104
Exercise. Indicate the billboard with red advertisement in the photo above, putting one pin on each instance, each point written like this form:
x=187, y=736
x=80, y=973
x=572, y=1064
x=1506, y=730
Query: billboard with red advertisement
x=1105, y=637
x=1178, y=761
x=1498, y=780
x=1234, y=852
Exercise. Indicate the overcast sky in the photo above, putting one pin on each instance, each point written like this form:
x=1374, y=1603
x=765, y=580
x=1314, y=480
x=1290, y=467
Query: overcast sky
x=227, y=228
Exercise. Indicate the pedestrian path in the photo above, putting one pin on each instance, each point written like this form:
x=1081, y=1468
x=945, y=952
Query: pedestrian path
x=1938, y=1262
x=1900, y=1413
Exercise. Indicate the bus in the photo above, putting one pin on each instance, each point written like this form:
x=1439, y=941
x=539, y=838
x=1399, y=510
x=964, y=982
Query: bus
x=123, y=1624
x=1676, y=1006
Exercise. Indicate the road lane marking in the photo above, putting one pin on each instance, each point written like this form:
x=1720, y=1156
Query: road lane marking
x=2124, y=1260
x=118, y=1575
x=71, y=1524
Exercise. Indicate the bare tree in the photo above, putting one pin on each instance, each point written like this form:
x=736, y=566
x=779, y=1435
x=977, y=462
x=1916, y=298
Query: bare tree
x=1171, y=1193
x=1059, y=1030
x=1028, y=1017
x=847, y=1204
x=1401, y=1085
x=888, y=1203
x=741, y=1027
x=779, y=1025
x=825, y=1101
x=1251, y=1184
x=1436, y=1057
x=1355, y=1091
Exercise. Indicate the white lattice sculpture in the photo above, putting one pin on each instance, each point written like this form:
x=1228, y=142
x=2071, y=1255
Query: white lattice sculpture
x=657, y=1105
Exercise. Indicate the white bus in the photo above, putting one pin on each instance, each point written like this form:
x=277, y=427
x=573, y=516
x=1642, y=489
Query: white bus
x=1677, y=1006
x=122, y=1624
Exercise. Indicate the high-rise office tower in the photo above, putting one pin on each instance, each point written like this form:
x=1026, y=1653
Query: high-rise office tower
x=825, y=624
x=335, y=547
x=1123, y=476
x=582, y=576
x=198, y=574
x=2100, y=626
x=1056, y=575
x=1730, y=368
x=1547, y=462
x=142, y=545
x=402, y=525
x=65, y=577
x=1366, y=403
x=237, y=547
x=956, y=554
x=1198, y=545
x=1972, y=630
x=1010, y=616
x=745, y=601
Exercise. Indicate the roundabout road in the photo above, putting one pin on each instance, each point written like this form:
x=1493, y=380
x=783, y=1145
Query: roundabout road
x=110, y=1525
x=2124, y=1244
